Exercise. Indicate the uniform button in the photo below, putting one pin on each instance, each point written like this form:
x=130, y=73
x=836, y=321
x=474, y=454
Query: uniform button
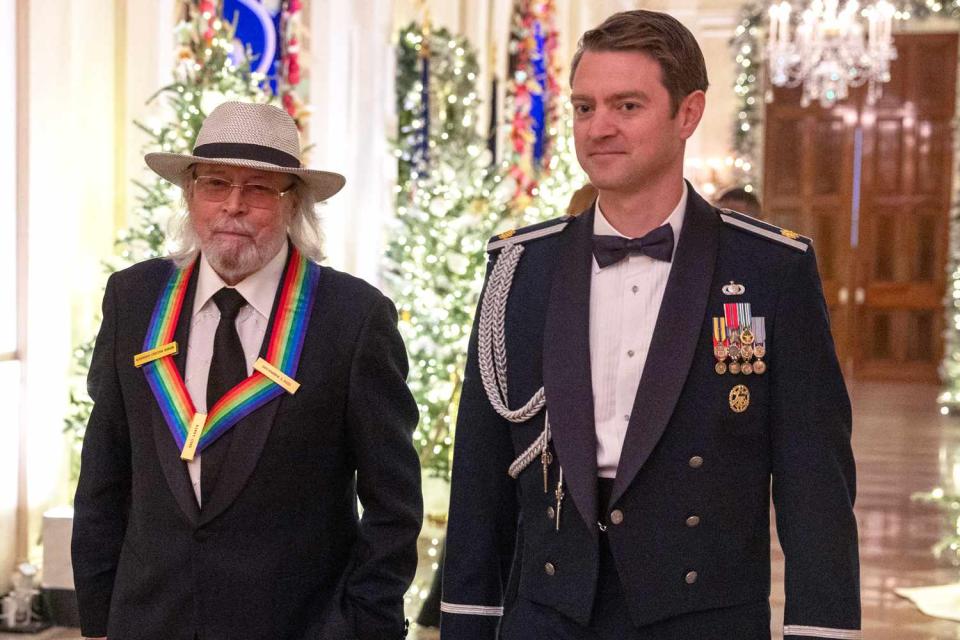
x=696, y=462
x=691, y=577
x=616, y=516
x=549, y=569
x=626, y=417
x=634, y=288
x=693, y=521
x=630, y=353
x=551, y=514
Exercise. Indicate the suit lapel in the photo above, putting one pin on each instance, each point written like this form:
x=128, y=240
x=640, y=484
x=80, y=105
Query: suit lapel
x=249, y=436
x=675, y=339
x=566, y=367
x=175, y=469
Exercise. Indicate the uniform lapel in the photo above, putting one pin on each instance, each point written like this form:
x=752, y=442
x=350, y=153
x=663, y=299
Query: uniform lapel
x=175, y=469
x=566, y=367
x=675, y=339
x=248, y=439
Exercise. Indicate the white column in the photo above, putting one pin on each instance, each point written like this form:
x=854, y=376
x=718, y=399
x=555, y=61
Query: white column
x=352, y=95
x=70, y=166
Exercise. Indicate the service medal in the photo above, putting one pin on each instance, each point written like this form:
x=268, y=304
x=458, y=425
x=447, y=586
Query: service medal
x=720, y=368
x=739, y=398
x=721, y=351
x=746, y=336
x=759, y=351
x=734, y=351
x=735, y=367
x=747, y=351
x=746, y=369
x=759, y=367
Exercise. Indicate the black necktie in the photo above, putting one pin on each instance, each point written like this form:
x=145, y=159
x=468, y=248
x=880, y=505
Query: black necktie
x=658, y=244
x=228, y=367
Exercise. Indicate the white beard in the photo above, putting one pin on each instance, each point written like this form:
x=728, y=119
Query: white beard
x=234, y=263
x=235, y=259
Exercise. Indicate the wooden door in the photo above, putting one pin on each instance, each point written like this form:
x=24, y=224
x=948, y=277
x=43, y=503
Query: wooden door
x=809, y=161
x=872, y=186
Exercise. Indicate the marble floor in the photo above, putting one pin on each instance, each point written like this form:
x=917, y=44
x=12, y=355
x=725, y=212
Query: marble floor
x=902, y=445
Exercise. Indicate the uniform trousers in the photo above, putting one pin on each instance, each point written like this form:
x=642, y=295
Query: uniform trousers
x=610, y=619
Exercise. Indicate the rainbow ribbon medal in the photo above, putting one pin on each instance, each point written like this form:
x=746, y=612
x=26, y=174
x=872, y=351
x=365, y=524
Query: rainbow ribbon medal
x=194, y=431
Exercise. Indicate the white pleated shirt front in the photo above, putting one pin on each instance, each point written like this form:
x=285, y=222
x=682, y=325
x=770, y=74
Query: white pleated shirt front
x=624, y=304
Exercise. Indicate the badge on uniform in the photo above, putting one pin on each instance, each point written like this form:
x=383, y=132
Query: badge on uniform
x=739, y=341
x=739, y=398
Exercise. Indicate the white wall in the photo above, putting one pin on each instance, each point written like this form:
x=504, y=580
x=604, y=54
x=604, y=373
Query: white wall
x=70, y=166
x=9, y=370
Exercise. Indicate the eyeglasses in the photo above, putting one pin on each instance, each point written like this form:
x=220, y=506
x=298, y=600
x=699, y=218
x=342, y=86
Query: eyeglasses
x=214, y=189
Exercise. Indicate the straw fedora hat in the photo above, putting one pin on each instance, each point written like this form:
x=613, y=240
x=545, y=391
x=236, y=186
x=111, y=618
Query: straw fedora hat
x=241, y=134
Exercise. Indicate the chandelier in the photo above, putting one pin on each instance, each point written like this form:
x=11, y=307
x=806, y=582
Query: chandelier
x=829, y=52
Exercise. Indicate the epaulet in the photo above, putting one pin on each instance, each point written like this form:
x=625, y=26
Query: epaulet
x=525, y=234
x=765, y=229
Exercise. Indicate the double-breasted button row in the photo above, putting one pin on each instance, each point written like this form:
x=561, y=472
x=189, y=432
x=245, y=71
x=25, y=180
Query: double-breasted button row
x=695, y=462
x=691, y=577
x=549, y=569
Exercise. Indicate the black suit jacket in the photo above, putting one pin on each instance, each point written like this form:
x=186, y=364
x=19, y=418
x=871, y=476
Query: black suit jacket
x=279, y=551
x=686, y=453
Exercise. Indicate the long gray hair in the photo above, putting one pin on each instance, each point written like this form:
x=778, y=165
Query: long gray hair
x=304, y=229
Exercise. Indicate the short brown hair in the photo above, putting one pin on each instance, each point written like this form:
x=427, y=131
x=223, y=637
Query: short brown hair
x=660, y=36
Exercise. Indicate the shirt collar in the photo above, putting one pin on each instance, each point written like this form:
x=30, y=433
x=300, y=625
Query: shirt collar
x=602, y=226
x=258, y=289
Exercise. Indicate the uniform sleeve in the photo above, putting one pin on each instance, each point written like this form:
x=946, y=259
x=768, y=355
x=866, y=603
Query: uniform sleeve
x=382, y=415
x=814, y=479
x=482, y=526
x=102, y=500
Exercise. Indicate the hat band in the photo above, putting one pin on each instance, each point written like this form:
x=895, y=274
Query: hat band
x=245, y=151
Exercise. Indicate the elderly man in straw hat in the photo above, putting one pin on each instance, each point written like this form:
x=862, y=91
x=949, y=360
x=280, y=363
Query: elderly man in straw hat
x=245, y=398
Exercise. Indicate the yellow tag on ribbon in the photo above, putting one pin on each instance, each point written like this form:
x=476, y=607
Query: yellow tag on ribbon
x=164, y=350
x=275, y=375
x=193, y=437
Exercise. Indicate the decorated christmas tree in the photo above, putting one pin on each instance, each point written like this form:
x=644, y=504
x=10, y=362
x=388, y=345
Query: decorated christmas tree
x=448, y=201
x=452, y=196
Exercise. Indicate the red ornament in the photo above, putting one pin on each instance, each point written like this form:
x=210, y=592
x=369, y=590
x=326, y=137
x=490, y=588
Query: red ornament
x=295, y=6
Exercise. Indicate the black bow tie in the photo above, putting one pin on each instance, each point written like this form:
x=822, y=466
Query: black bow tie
x=658, y=244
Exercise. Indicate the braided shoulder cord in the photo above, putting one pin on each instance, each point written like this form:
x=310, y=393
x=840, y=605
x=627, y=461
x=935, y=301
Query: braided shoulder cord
x=491, y=341
x=533, y=451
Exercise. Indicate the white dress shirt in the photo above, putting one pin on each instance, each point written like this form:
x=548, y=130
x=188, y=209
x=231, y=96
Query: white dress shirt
x=624, y=303
x=259, y=290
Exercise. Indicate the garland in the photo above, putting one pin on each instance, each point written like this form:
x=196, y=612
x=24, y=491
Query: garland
x=533, y=93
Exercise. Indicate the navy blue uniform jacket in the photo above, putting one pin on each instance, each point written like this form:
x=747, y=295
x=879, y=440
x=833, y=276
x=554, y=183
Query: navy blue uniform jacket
x=686, y=452
x=279, y=551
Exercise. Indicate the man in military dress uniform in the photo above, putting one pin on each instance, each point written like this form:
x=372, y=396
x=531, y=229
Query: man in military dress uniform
x=636, y=377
